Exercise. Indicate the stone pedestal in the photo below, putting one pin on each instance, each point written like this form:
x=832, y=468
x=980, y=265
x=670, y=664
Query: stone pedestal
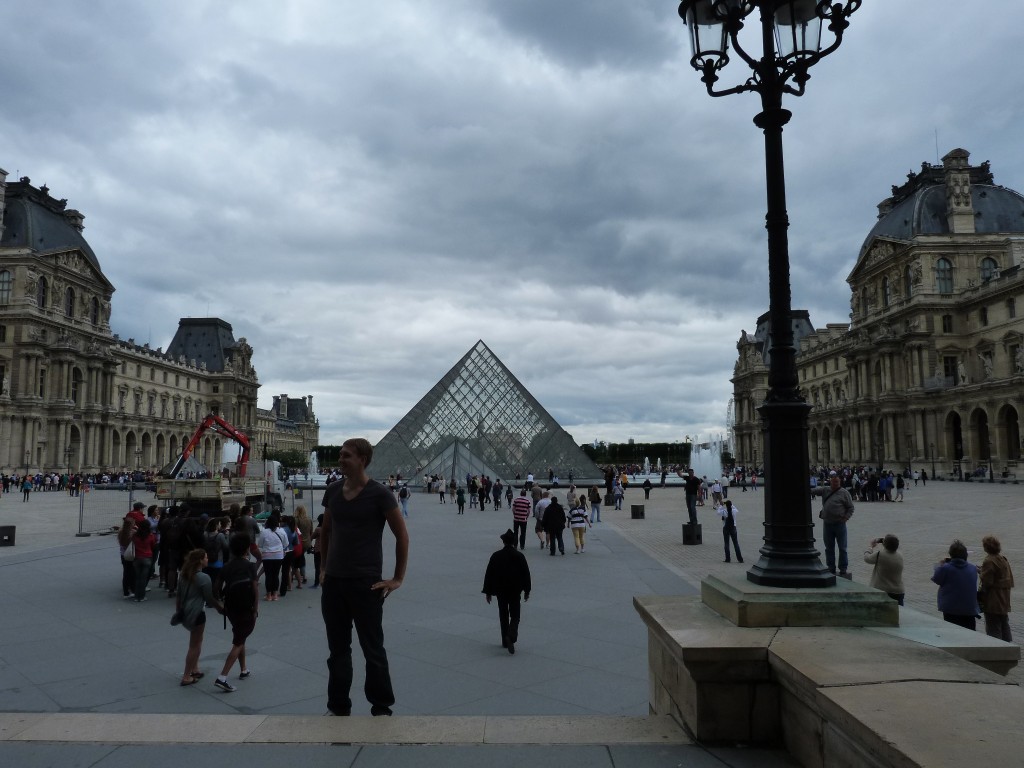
x=692, y=534
x=636, y=511
x=847, y=604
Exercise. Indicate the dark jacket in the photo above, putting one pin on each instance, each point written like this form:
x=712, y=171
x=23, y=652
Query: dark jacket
x=996, y=583
x=958, y=587
x=554, y=517
x=507, y=574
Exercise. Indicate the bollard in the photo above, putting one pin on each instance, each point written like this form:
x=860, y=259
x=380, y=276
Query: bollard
x=636, y=511
x=7, y=535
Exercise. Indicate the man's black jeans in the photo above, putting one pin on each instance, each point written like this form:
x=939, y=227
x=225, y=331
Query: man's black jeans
x=345, y=603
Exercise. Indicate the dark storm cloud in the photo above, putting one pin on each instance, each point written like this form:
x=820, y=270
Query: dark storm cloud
x=365, y=190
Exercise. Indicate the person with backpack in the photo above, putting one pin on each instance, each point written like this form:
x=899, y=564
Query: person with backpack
x=403, y=497
x=240, y=592
x=215, y=542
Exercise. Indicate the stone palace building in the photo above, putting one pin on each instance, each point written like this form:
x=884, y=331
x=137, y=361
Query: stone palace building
x=929, y=372
x=74, y=396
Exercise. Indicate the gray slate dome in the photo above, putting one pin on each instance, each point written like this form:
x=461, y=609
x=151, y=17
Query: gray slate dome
x=33, y=219
x=919, y=207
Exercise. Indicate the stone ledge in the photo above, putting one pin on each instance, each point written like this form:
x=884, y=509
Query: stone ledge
x=834, y=696
x=975, y=647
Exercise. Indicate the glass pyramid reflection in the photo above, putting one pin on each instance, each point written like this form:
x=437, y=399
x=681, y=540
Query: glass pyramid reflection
x=479, y=420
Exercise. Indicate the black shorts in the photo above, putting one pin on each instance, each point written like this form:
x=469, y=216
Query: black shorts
x=242, y=626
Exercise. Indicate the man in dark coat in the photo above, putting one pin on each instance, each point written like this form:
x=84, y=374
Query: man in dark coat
x=508, y=575
x=554, y=524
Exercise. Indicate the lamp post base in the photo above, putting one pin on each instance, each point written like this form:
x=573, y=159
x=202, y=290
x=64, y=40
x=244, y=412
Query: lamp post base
x=794, y=570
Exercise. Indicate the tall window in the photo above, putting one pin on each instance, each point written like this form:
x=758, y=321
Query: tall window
x=988, y=267
x=944, y=276
x=5, y=287
x=94, y=311
x=76, y=385
x=983, y=316
x=949, y=368
x=947, y=323
x=908, y=282
x=886, y=292
x=42, y=290
x=1011, y=308
x=69, y=302
x=42, y=382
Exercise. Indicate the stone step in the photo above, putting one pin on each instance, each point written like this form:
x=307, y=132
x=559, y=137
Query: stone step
x=90, y=727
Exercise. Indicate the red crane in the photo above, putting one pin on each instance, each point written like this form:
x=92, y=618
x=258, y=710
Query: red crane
x=214, y=423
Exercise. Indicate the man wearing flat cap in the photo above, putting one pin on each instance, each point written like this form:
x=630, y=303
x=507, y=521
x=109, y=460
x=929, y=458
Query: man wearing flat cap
x=507, y=577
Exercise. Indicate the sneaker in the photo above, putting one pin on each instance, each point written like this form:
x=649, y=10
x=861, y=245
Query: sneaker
x=379, y=711
x=141, y=600
x=224, y=685
x=244, y=674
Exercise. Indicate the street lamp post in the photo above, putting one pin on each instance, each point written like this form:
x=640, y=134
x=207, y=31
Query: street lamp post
x=790, y=44
x=67, y=459
x=932, y=447
x=131, y=484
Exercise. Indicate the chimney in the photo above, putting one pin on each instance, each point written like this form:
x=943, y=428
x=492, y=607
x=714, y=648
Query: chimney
x=3, y=198
x=309, y=408
x=283, y=412
x=75, y=218
x=959, y=208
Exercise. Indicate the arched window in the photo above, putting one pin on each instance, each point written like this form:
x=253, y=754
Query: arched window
x=864, y=300
x=944, y=276
x=94, y=311
x=886, y=293
x=5, y=287
x=908, y=282
x=42, y=291
x=69, y=302
x=988, y=267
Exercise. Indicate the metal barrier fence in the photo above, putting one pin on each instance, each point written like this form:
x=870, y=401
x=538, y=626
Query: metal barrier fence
x=102, y=508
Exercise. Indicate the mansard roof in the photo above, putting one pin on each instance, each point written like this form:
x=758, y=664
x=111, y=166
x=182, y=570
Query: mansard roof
x=34, y=220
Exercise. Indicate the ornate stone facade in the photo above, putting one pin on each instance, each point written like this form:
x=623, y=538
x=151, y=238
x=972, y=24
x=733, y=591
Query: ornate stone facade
x=72, y=394
x=930, y=370
x=289, y=425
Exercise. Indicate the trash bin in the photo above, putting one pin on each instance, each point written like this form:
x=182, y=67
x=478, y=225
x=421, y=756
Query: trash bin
x=7, y=535
x=692, y=534
x=298, y=493
x=609, y=500
x=636, y=511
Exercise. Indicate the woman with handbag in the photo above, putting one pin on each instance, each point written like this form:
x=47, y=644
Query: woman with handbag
x=195, y=592
x=124, y=540
x=272, y=553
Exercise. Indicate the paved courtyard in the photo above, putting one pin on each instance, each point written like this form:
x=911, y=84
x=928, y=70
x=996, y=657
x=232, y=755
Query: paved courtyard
x=69, y=643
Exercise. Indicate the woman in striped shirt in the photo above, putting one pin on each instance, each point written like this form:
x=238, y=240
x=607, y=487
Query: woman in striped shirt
x=579, y=521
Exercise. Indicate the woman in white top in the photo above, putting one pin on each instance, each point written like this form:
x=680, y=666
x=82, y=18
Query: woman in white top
x=271, y=546
x=728, y=514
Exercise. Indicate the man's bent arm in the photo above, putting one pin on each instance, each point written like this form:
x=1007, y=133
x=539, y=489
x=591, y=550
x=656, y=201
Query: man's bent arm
x=397, y=524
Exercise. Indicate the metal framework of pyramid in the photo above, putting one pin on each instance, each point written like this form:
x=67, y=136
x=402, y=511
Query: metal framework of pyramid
x=479, y=420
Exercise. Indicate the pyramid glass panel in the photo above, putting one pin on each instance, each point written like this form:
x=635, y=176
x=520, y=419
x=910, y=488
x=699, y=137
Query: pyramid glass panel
x=478, y=419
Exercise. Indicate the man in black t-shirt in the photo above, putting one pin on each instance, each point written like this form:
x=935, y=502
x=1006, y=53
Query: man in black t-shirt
x=692, y=490
x=351, y=538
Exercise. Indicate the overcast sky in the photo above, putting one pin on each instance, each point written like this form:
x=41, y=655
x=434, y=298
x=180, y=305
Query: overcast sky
x=364, y=189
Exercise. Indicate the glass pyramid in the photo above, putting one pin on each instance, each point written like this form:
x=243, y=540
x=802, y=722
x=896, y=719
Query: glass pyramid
x=479, y=420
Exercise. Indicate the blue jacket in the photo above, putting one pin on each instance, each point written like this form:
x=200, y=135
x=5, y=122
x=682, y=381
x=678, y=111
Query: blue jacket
x=958, y=587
